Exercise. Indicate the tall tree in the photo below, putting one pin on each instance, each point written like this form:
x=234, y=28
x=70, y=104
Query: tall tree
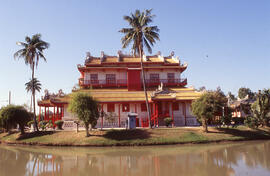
x=209, y=105
x=261, y=107
x=33, y=85
x=142, y=36
x=243, y=92
x=231, y=96
x=12, y=115
x=86, y=109
x=31, y=52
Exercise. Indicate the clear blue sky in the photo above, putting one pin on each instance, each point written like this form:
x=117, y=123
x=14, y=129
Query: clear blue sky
x=234, y=34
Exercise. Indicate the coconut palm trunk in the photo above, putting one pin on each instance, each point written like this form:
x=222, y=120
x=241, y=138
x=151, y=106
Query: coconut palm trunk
x=144, y=89
x=141, y=35
x=34, y=97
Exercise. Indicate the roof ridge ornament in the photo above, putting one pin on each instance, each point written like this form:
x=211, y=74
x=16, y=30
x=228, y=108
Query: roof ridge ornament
x=160, y=87
x=88, y=57
x=175, y=58
x=185, y=64
x=172, y=54
x=144, y=57
x=119, y=56
x=160, y=56
x=102, y=56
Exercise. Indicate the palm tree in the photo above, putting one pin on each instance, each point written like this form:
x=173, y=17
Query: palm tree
x=31, y=52
x=33, y=86
x=141, y=35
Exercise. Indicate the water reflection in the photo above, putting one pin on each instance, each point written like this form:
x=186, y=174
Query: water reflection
x=215, y=159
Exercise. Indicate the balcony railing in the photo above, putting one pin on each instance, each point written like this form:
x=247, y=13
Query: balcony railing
x=103, y=83
x=123, y=82
x=166, y=82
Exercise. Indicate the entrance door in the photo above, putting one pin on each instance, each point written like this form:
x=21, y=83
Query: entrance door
x=134, y=79
x=166, y=109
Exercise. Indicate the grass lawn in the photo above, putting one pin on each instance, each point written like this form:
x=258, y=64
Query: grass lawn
x=158, y=136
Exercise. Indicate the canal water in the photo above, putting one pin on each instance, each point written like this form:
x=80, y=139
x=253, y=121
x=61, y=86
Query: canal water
x=241, y=158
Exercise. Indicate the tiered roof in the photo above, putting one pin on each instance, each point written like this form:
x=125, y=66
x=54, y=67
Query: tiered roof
x=123, y=95
x=124, y=60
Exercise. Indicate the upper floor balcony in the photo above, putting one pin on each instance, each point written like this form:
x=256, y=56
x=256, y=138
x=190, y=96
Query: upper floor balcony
x=103, y=83
x=166, y=82
x=124, y=83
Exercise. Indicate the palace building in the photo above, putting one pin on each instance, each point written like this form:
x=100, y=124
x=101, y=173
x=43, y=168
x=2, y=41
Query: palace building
x=116, y=83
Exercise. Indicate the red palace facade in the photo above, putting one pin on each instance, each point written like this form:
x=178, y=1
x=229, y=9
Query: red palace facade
x=116, y=83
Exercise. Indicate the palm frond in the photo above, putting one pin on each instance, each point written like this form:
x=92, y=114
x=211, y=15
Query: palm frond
x=139, y=32
x=32, y=50
x=27, y=39
x=33, y=85
x=147, y=45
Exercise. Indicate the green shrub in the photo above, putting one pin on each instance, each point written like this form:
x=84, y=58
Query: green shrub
x=93, y=124
x=238, y=120
x=49, y=124
x=252, y=122
x=12, y=115
x=59, y=124
x=30, y=123
x=168, y=121
x=42, y=124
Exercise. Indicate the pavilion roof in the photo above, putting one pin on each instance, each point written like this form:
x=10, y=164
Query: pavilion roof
x=123, y=95
x=127, y=58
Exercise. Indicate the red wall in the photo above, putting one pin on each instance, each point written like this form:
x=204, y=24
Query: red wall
x=134, y=79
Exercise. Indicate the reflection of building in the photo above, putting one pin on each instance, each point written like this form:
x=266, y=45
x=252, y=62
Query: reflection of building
x=116, y=82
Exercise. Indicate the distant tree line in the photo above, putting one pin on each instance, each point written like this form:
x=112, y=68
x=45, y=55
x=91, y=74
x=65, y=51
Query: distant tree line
x=214, y=107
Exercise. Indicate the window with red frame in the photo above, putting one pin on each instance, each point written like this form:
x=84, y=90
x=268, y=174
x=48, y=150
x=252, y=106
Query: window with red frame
x=154, y=78
x=170, y=77
x=110, y=79
x=94, y=78
x=110, y=107
x=175, y=106
x=125, y=107
x=143, y=107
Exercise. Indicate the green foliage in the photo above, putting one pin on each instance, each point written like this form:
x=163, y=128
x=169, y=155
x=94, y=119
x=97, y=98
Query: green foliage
x=12, y=115
x=59, y=124
x=260, y=110
x=33, y=85
x=238, y=120
x=231, y=96
x=168, y=121
x=252, y=122
x=226, y=120
x=209, y=105
x=140, y=33
x=42, y=124
x=93, y=124
x=243, y=92
x=85, y=107
x=111, y=117
x=30, y=123
x=32, y=51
